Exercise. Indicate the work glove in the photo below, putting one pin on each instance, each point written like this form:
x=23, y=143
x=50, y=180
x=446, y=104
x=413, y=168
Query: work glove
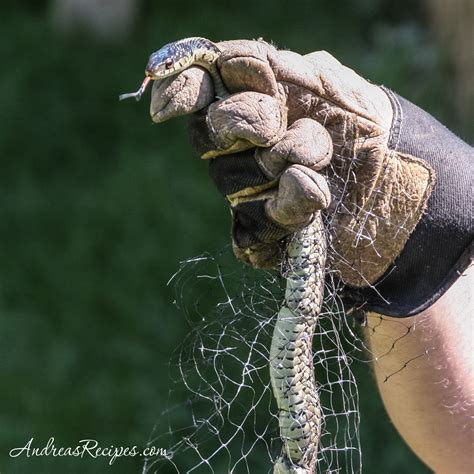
x=297, y=135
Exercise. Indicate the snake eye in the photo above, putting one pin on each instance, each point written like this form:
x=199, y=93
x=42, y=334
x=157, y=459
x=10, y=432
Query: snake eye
x=168, y=63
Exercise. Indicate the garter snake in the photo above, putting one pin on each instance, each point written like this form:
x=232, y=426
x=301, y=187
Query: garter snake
x=291, y=358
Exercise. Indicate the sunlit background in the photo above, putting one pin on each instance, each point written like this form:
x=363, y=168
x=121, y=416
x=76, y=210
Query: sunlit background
x=99, y=206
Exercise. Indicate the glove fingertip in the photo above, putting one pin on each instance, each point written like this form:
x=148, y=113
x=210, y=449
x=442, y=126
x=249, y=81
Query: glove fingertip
x=249, y=74
x=186, y=93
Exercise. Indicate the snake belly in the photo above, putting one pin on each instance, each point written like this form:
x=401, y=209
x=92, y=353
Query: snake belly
x=291, y=356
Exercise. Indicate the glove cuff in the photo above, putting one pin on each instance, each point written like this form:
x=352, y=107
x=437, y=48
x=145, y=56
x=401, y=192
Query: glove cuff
x=441, y=245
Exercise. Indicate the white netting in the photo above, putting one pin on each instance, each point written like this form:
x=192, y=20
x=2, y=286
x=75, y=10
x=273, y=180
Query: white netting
x=227, y=419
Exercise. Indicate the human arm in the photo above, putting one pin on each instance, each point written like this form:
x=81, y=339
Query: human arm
x=424, y=358
x=424, y=368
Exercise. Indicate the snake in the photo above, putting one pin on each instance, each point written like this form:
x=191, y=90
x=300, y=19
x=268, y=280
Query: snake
x=291, y=357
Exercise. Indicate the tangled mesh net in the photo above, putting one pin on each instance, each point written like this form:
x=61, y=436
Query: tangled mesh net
x=227, y=415
x=225, y=421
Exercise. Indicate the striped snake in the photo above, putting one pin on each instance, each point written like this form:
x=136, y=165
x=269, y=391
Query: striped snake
x=291, y=358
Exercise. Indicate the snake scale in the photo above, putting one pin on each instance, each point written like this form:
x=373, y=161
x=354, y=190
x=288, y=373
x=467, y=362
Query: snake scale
x=291, y=357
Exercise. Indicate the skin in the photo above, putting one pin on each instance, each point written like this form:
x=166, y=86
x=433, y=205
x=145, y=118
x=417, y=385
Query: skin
x=424, y=370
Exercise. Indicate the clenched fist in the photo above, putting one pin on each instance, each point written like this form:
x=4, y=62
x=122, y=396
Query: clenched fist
x=299, y=134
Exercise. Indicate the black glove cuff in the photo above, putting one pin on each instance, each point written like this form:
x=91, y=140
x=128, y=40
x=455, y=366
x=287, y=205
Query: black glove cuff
x=441, y=246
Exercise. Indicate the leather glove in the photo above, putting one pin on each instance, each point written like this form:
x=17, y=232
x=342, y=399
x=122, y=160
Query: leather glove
x=300, y=134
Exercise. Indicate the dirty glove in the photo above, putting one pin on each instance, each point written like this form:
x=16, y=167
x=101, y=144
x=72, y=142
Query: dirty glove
x=297, y=135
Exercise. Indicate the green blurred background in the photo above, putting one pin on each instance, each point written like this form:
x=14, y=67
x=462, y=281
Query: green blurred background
x=99, y=206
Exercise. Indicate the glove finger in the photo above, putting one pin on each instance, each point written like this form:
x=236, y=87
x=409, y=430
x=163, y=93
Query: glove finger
x=239, y=122
x=301, y=192
x=275, y=213
x=306, y=142
x=258, y=66
x=240, y=171
x=188, y=92
x=260, y=225
x=244, y=66
x=251, y=225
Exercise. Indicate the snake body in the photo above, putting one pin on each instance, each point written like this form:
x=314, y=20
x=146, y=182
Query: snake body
x=291, y=357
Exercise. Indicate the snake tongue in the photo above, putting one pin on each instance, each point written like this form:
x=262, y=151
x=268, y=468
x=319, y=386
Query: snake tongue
x=139, y=92
x=143, y=87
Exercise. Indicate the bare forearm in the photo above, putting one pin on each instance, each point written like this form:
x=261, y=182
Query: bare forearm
x=424, y=367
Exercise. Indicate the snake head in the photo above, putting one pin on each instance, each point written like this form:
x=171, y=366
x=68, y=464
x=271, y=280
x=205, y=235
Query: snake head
x=168, y=60
x=175, y=57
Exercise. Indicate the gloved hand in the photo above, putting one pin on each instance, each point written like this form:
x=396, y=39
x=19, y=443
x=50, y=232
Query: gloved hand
x=301, y=134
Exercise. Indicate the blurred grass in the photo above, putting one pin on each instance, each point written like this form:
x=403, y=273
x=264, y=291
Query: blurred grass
x=99, y=206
